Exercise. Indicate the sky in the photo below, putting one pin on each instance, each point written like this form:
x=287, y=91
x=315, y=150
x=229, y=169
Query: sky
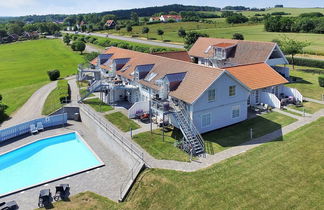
x=40, y=7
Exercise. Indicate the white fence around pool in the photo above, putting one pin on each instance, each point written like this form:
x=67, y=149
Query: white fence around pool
x=24, y=128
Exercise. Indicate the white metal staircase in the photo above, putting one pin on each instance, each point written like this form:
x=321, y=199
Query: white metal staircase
x=193, y=141
x=97, y=85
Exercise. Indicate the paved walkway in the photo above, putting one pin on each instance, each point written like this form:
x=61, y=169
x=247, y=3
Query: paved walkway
x=32, y=109
x=314, y=100
x=91, y=48
x=130, y=39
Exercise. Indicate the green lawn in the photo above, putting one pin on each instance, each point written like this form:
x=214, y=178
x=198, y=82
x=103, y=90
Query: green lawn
x=24, y=65
x=121, y=121
x=307, y=83
x=98, y=105
x=53, y=101
x=83, y=91
x=237, y=134
x=154, y=144
x=309, y=107
x=291, y=112
x=285, y=174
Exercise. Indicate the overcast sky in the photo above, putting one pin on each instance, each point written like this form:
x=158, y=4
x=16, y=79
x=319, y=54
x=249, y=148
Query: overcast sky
x=29, y=7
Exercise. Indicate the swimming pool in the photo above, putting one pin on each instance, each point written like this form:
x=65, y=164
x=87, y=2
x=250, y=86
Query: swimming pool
x=45, y=160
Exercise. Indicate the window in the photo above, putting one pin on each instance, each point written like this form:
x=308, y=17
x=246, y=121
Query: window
x=211, y=95
x=205, y=120
x=235, y=111
x=150, y=76
x=232, y=90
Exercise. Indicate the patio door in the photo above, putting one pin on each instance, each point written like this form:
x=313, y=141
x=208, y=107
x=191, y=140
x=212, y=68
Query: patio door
x=257, y=97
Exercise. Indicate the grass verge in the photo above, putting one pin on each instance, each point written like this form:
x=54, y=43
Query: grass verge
x=121, y=121
x=309, y=107
x=164, y=150
x=98, y=105
x=54, y=100
x=237, y=134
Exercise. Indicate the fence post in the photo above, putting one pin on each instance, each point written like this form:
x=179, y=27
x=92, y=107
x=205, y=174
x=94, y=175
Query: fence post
x=251, y=133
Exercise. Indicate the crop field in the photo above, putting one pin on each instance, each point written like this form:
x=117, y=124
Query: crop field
x=24, y=66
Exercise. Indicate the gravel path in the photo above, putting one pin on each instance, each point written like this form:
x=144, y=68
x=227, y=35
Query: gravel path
x=32, y=109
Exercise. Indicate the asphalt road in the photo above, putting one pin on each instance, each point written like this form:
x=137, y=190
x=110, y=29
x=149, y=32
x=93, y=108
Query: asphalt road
x=130, y=39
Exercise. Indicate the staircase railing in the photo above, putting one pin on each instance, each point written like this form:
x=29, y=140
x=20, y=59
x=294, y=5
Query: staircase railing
x=193, y=127
x=187, y=127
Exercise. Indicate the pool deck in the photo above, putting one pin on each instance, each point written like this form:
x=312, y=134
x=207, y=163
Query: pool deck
x=105, y=180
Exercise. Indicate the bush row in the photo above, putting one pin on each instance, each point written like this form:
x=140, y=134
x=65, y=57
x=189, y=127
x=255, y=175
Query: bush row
x=307, y=62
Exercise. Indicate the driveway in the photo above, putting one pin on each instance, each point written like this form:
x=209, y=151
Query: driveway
x=130, y=39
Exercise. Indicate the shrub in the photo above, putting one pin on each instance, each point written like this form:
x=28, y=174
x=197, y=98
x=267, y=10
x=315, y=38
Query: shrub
x=53, y=75
x=307, y=62
x=238, y=36
x=321, y=80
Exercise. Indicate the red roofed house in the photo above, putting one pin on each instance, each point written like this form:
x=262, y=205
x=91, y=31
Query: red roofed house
x=166, y=18
x=259, y=65
x=154, y=19
x=110, y=23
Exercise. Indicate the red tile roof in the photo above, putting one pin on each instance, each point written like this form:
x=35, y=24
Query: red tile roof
x=257, y=76
x=178, y=55
x=224, y=45
x=245, y=52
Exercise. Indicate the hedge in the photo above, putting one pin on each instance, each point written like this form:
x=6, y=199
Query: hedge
x=63, y=91
x=321, y=80
x=307, y=62
x=107, y=42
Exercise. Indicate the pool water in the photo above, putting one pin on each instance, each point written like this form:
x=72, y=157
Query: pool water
x=45, y=160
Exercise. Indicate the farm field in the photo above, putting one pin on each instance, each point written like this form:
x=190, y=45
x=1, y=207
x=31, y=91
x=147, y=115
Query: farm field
x=292, y=11
x=24, y=66
x=283, y=174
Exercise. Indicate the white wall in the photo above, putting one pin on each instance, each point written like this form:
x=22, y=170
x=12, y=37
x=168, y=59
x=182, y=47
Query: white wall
x=221, y=109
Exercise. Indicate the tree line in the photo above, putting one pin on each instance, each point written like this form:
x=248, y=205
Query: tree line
x=306, y=23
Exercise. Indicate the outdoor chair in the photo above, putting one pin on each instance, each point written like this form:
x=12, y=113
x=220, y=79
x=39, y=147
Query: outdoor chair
x=40, y=126
x=33, y=129
x=45, y=198
x=12, y=205
x=62, y=192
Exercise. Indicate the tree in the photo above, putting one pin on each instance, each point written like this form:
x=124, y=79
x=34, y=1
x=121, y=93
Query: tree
x=3, y=33
x=78, y=46
x=129, y=28
x=108, y=17
x=160, y=33
x=67, y=39
x=292, y=47
x=192, y=37
x=53, y=74
x=146, y=30
x=15, y=29
x=182, y=33
x=238, y=36
x=236, y=18
x=135, y=18
x=117, y=27
x=0, y=98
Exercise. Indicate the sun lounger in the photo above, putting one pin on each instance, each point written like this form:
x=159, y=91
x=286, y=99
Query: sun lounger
x=12, y=205
x=33, y=129
x=62, y=192
x=45, y=198
x=40, y=126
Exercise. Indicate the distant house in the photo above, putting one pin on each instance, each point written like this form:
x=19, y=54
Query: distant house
x=80, y=24
x=166, y=18
x=31, y=35
x=110, y=23
x=154, y=19
x=13, y=37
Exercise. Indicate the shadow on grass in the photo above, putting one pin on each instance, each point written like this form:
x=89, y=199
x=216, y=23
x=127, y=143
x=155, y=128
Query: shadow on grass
x=240, y=133
x=299, y=80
